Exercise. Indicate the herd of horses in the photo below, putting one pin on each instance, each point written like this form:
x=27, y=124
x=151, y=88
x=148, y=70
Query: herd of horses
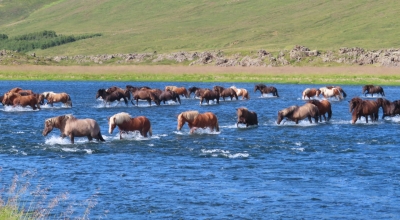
x=312, y=109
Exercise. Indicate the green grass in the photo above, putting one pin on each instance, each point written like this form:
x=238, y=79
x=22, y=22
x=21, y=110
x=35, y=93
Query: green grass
x=184, y=25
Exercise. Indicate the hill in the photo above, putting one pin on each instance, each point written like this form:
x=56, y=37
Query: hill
x=233, y=26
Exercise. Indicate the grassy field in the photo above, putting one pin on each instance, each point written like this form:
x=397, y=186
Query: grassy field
x=233, y=25
x=296, y=75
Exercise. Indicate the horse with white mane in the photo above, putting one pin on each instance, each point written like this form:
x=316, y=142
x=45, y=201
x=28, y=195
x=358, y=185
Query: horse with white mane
x=57, y=97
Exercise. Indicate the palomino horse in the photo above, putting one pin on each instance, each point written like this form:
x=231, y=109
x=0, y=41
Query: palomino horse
x=196, y=120
x=246, y=117
x=169, y=95
x=324, y=107
x=389, y=108
x=266, y=89
x=110, y=97
x=229, y=92
x=73, y=127
x=207, y=95
x=146, y=94
x=365, y=108
x=296, y=113
x=331, y=92
x=241, y=92
x=311, y=93
x=12, y=98
x=52, y=97
x=126, y=123
x=371, y=89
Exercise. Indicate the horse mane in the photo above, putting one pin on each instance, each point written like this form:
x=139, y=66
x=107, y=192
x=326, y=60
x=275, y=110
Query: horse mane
x=48, y=93
x=120, y=117
x=55, y=120
x=189, y=115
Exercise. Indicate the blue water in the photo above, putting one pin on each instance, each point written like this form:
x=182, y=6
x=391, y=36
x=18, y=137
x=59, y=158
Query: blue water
x=332, y=170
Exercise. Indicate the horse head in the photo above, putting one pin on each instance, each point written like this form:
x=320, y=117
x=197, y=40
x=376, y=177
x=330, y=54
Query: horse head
x=353, y=103
x=366, y=88
x=285, y=113
x=101, y=93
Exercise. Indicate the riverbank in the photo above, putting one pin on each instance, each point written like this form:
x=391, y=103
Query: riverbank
x=295, y=75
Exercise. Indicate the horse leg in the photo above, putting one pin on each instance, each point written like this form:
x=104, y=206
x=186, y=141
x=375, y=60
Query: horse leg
x=120, y=135
x=309, y=118
x=321, y=118
x=192, y=130
x=90, y=138
x=72, y=138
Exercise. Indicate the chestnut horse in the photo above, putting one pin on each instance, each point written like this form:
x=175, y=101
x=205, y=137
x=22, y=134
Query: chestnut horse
x=324, y=106
x=52, y=97
x=196, y=120
x=365, y=108
x=126, y=123
x=296, y=113
x=241, y=92
x=207, y=95
x=12, y=98
x=145, y=94
x=21, y=91
x=73, y=127
x=311, y=93
x=229, y=92
x=246, y=117
x=266, y=89
x=110, y=97
x=371, y=89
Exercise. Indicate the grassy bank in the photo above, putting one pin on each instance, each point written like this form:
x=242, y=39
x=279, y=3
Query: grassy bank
x=293, y=75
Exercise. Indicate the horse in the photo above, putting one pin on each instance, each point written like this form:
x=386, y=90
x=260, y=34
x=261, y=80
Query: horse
x=207, y=95
x=52, y=97
x=110, y=97
x=311, y=93
x=15, y=99
x=331, y=92
x=21, y=91
x=246, y=117
x=133, y=89
x=170, y=88
x=371, y=89
x=169, y=95
x=229, y=92
x=73, y=127
x=126, y=92
x=196, y=120
x=241, y=92
x=324, y=106
x=266, y=89
x=365, y=108
x=126, y=123
x=181, y=91
x=145, y=95
x=338, y=88
x=389, y=108
x=296, y=113
x=197, y=91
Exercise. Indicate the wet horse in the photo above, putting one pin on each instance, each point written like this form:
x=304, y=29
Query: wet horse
x=389, y=108
x=52, y=97
x=146, y=94
x=266, y=89
x=181, y=91
x=126, y=123
x=359, y=108
x=311, y=93
x=331, y=92
x=228, y=92
x=324, y=107
x=241, y=92
x=246, y=117
x=194, y=90
x=296, y=113
x=111, y=97
x=73, y=127
x=207, y=95
x=340, y=90
x=15, y=99
x=126, y=92
x=371, y=89
x=196, y=120
x=169, y=95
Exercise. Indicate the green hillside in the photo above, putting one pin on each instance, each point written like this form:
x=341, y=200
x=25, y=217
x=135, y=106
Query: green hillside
x=183, y=25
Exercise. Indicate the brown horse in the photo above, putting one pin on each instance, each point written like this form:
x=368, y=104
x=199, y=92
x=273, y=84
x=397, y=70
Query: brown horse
x=229, y=92
x=296, y=113
x=145, y=95
x=17, y=99
x=196, y=120
x=181, y=91
x=371, y=89
x=338, y=88
x=126, y=123
x=126, y=92
x=52, y=97
x=207, y=95
x=193, y=90
x=324, y=106
x=21, y=91
x=389, y=108
x=133, y=89
x=311, y=93
x=266, y=89
x=365, y=108
x=241, y=92
x=169, y=95
x=73, y=127
x=111, y=97
x=246, y=117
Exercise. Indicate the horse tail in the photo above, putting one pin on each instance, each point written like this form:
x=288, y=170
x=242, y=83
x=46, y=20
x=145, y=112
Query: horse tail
x=247, y=95
x=69, y=101
x=329, y=114
x=100, y=136
x=216, y=126
x=344, y=94
x=276, y=91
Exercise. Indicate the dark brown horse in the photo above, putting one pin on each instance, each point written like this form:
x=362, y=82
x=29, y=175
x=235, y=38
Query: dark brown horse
x=207, y=95
x=126, y=123
x=266, y=89
x=145, y=94
x=296, y=113
x=196, y=120
x=111, y=97
x=311, y=93
x=389, y=108
x=246, y=117
x=324, y=107
x=169, y=95
x=365, y=108
x=126, y=92
x=194, y=90
x=371, y=89
x=133, y=89
x=228, y=92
